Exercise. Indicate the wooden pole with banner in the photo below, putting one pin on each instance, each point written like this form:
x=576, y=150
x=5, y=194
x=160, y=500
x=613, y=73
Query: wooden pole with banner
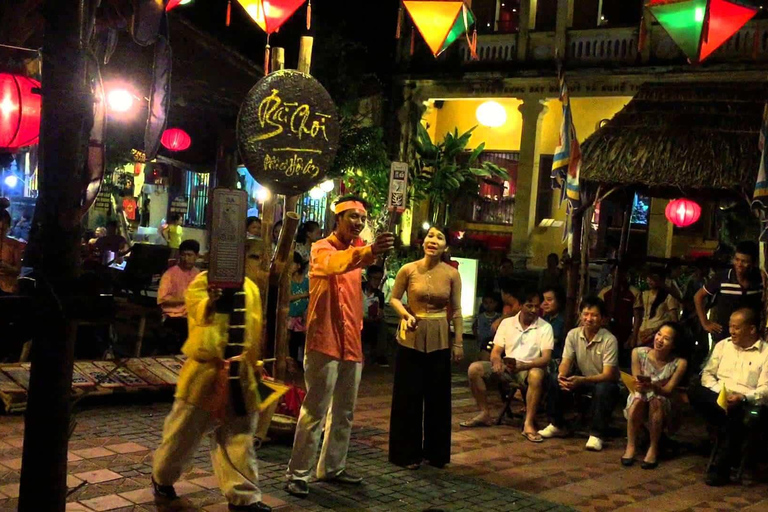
x=288, y=134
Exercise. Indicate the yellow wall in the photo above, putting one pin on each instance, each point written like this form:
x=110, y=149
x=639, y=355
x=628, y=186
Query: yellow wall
x=461, y=114
x=587, y=113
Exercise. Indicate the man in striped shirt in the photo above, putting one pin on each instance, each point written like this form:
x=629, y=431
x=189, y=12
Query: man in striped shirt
x=739, y=287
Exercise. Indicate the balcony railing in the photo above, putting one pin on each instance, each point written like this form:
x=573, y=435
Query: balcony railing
x=617, y=46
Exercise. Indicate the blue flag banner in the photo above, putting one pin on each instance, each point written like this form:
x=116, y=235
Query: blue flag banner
x=760, y=197
x=567, y=160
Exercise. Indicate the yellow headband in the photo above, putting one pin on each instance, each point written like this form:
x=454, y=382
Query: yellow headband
x=349, y=205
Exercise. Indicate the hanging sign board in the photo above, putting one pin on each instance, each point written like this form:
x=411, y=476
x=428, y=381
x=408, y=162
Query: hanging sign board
x=180, y=205
x=288, y=132
x=227, y=255
x=398, y=184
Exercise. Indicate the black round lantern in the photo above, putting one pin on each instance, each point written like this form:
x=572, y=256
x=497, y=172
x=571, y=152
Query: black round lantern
x=288, y=132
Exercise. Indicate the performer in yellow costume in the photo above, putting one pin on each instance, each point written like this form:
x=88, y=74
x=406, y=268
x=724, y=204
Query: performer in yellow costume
x=208, y=401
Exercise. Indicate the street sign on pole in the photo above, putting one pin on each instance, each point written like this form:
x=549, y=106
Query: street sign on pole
x=398, y=186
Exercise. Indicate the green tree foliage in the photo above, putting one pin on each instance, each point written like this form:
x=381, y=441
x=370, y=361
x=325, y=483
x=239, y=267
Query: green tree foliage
x=444, y=170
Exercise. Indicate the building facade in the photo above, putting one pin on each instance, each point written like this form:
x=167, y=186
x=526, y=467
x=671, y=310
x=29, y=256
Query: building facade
x=520, y=43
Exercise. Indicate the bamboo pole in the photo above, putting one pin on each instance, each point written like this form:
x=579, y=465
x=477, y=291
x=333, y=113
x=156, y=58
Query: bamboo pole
x=278, y=59
x=280, y=271
x=305, y=54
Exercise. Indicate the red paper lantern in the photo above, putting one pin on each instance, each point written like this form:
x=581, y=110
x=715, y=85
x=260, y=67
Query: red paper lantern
x=683, y=212
x=176, y=139
x=171, y=4
x=19, y=111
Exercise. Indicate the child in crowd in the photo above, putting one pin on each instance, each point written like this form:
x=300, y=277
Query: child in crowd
x=297, y=309
x=510, y=303
x=482, y=327
x=374, y=329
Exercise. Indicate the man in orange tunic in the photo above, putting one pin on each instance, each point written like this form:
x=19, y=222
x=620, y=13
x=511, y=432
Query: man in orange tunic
x=334, y=354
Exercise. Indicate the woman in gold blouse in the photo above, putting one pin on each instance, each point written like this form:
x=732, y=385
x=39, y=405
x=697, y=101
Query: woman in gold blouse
x=422, y=389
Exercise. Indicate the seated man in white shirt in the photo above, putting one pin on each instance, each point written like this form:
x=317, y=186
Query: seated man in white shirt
x=739, y=366
x=525, y=343
x=595, y=353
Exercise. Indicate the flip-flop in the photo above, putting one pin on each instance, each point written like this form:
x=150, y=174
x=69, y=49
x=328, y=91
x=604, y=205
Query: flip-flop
x=474, y=423
x=534, y=438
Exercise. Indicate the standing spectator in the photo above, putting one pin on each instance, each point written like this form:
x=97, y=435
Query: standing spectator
x=482, y=327
x=276, y=228
x=659, y=306
x=11, y=253
x=309, y=233
x=173, y=288
x=552, y=313
x=334, y=355
x=525, y=343
x=253, y=227
x=297, y=309
x=657, y=372
x=625, y=312
x=173, y=232
x=739, y=287
x=698, y=348
x=737, y=370
x=552, y=276
x=374, y=329
x=421, y=396
x=595, y=352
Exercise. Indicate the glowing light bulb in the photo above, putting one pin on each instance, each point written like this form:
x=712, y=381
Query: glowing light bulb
x=425, y=226
x=698, y=14
x=7, y=106
x=327, y=186
x=11, y=181
x=316, y=193
x=120, y=100
x=263, y=195
x=491, y=114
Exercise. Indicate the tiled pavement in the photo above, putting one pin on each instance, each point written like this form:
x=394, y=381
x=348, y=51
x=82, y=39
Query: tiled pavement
x=492, y=469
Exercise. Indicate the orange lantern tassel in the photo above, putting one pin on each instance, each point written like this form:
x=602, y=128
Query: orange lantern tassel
x=642, y=35
x=413, y=40
x=229, y=12
x=267, y=55
x=473, y=46
x=399, y=21
x=756, y=44
x=309, y=15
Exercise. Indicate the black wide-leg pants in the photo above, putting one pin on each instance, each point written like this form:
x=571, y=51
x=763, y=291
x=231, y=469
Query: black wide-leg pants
x=420, y=424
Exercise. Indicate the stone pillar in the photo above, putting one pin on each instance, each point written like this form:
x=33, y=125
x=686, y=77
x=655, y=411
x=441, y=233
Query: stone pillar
x=660, y=230
x=525, y=201
x=527, y=23
x=564, y=22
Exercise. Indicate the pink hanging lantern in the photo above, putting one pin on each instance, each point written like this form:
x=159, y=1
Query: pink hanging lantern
x=20, y=111
x=176, y=139
x=683, y=212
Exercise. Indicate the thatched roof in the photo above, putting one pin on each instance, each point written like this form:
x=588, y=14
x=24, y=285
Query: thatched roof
x=672, y=137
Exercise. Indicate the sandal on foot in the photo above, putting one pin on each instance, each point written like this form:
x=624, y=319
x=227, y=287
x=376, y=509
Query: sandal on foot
x=474, y=423
x=534, y=437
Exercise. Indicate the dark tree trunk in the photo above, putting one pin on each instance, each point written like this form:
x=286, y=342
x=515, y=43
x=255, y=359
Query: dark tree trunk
x=66, y=118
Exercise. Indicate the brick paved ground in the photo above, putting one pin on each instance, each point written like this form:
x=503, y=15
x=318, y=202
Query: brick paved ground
x=492, y=469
